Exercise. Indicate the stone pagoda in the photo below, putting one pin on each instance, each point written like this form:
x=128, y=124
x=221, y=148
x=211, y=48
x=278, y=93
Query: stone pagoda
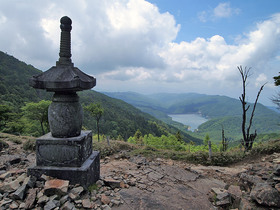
x=66, y=152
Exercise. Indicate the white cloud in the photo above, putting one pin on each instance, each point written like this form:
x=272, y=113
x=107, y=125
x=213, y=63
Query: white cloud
x=129, y=44
x=222, y=10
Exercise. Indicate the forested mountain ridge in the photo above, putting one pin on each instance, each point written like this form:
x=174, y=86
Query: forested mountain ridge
x=119, y=119
x=14, y=86
x=222, y=111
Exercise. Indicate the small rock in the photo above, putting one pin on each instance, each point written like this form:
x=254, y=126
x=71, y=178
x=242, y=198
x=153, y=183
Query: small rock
x=116, y=202
x=106, y=207
x=30, y=181
x=277, y=160
x=87, y=203
x=277, y=187
x=22, y=177
x=56, y=187
x=30, y=198
x=100, y=183
x=73, y=196
x=5, y=175
x=51, y=205
x=113, y=183
x=19, y=194
x=45, y=177
x=265, y=195
x=43, y=199
x=68, y=206
x=77, y=190
x=9, y=186
x=277, y=170
x=5, y=201
x=22, y=206
x=13, y=205
x=63, y=199
x=105, y=199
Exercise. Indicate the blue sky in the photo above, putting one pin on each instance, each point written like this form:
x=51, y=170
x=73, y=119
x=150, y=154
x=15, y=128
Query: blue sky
x=153, y=46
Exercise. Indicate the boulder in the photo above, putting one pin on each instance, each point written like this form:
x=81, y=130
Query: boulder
x=56, y=187
x=265, y=195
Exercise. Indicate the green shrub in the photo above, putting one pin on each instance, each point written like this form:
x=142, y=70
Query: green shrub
x=3, y=144
x=15, y=140
x=30, y=144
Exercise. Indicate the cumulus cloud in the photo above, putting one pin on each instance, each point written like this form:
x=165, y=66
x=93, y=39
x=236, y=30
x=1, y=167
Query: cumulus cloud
x=223, y=10
x=129, y=45
x=212, y=60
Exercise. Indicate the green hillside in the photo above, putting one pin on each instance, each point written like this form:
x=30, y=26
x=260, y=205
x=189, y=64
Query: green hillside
x=220, y=110
x=14, y=87
x=119, y=120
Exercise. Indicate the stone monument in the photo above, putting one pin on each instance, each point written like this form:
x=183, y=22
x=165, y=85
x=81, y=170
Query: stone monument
x=66, y=152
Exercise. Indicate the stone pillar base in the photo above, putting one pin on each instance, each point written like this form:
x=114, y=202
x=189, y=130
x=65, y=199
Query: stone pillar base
x=67, y=158
x=85, y=175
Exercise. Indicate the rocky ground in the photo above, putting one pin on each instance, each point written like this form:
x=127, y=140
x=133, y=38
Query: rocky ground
x=139, y=183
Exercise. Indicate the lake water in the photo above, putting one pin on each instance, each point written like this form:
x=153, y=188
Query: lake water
x=192, y=120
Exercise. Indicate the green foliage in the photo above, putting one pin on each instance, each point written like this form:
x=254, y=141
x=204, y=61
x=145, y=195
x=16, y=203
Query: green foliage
x=5, y=115
x=37, y=112
x=96, y=110
x=15, y=140
x=3, y=144
x=206, y=139
x=30, y=144
x=14, y=86
x=121, y=120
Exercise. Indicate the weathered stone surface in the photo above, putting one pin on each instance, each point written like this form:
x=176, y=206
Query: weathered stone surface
x=29, y=181
x=223, y=199
x=248, y=181
x=64, y=152
x=56, y=187
x=85, y=175
x=43, y=199
x=21, y=178
x=265, y=195
x=5, y=175
x=113, y=183
x=277, y=187
x=29, y=202
x=87, y=204
x=19, y=194
x=13, y=205
x=9, y=186
x=105, y=199
x=52, y=204
x=236, y=195
x=277, y=170
x=68, y=206
x=77, y=190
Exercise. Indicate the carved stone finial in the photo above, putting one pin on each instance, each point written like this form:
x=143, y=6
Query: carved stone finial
x=65, y=42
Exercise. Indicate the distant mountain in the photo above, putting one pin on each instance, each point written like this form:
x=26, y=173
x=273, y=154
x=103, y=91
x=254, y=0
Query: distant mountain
x=120, y=119
x=220, y=110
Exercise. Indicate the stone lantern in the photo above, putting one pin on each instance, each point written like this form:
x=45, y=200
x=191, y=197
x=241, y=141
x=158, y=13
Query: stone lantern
x=66, y=152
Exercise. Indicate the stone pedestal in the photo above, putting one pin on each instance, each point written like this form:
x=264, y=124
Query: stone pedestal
x=67, y=158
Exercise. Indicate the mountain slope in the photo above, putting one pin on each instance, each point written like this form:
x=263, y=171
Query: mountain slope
x=119, y=119
x=14, y=87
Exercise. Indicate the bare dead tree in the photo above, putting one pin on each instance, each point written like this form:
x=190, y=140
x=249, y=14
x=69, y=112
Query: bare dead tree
x=248, y=139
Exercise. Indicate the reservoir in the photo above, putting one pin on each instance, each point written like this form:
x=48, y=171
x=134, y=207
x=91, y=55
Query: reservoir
x=192, y=120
